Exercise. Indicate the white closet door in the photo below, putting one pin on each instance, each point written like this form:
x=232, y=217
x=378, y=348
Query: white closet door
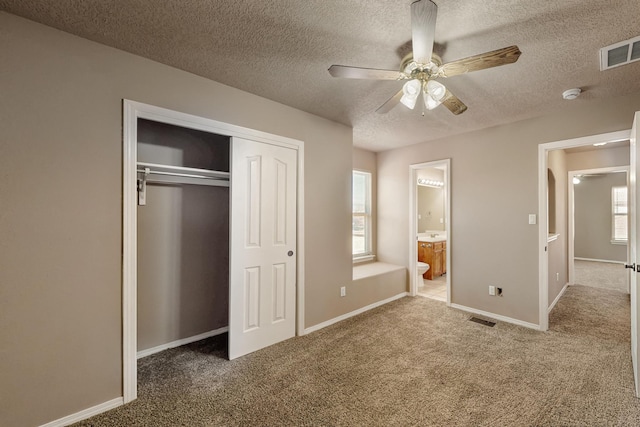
x=262, y=300
x=634, y=243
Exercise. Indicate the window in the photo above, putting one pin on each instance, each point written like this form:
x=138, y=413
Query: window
x=619, y=214
x=361, y=220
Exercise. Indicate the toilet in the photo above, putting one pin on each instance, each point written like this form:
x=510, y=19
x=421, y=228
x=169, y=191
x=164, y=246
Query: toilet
x=423, y=267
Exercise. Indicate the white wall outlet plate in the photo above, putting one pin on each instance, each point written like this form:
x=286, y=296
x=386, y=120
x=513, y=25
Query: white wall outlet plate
x=492, y=290
x=343, y=291
x=532, y=219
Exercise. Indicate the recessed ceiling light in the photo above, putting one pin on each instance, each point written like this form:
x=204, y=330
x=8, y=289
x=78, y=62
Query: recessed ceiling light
x=571, y=93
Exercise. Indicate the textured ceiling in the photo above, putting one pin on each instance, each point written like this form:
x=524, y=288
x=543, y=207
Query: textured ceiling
x=281, y=49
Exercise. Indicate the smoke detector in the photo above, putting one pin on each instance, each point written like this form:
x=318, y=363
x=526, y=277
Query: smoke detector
x=571, y=93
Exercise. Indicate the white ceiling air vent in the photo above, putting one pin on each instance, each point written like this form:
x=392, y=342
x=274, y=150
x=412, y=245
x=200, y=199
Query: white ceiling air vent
x=620, y=54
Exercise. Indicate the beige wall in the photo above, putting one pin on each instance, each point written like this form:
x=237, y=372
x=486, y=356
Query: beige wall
x=365, y=160
x=494, y=174
x=592, y=202
x=61, y=209
x=557, y=249
x=603, y=158
x=183, y=263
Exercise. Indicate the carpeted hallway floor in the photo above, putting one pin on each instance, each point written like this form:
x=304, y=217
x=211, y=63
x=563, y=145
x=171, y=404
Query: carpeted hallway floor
x=413, y=362
x=606, y=275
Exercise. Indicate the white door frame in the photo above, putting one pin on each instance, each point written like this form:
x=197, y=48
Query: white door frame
x=413, y=221
x=131, y=112
x=572, y=213
x=543, y=228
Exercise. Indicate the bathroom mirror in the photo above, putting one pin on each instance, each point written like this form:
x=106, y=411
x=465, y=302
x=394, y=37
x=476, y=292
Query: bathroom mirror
x=430, y=207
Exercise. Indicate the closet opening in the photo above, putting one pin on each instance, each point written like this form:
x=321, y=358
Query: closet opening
x=210, y=243
x=182, y=177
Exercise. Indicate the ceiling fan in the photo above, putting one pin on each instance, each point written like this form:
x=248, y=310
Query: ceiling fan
x=421, y=68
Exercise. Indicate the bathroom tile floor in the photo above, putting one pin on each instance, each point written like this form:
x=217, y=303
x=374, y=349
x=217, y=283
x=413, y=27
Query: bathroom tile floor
x=434, y=289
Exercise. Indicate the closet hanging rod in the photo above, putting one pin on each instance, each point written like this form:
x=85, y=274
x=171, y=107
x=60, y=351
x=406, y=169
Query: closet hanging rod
x=185, y=175
x=182, y=171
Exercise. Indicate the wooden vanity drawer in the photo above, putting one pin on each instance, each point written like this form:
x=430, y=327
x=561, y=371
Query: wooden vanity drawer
x=434, y=254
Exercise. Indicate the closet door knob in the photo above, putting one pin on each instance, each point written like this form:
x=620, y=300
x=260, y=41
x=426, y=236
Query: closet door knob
x=290, y=253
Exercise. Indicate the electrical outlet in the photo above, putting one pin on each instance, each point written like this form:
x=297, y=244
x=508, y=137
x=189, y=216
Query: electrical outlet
x=499, y=291
x=343, y=291
x=492, y=290
x=557, y=277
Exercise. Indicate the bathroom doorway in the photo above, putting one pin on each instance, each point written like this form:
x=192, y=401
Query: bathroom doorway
x=430, y=230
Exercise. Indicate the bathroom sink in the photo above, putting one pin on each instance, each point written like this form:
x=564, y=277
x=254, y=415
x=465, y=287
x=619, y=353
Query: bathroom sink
x=432, y=239
x=432, y=236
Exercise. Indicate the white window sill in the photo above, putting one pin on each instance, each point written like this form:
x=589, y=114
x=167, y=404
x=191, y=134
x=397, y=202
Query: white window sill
x=619, y=242
x=552, y=237
x=363, y=258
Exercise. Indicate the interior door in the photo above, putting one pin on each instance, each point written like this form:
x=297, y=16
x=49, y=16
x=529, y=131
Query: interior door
x=262, y=287
x=634, y=228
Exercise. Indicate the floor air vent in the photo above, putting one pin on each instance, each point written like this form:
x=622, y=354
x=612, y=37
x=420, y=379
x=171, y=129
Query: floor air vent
x=620, y=53
x=483, y=322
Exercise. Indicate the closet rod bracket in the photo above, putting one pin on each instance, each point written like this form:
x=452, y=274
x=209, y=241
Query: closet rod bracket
x=142, y=187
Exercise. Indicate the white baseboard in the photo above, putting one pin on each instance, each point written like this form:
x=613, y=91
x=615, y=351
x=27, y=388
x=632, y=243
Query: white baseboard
x=86, y=413
x=598, y=260
x=353, y=313
x=555, y=301
x=497, y=317
x=178, y=343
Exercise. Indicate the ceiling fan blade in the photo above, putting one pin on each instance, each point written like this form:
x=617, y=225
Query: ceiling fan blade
x=482, y=61
x=363, y=73
x=423, y=29
x=391, y=102
x=453, y=103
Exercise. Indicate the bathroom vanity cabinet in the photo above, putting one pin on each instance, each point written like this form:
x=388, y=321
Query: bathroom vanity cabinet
x=434, y=254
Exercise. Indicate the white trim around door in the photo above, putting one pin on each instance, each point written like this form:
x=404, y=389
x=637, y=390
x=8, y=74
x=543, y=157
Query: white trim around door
x=543, y=231
x=132, y=111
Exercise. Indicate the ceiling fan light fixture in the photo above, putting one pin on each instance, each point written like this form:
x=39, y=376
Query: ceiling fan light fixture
x=421, y=65
x=434, y=92
x=410, y=92
x=430, y=102
x=410, y=67
x=435, y=89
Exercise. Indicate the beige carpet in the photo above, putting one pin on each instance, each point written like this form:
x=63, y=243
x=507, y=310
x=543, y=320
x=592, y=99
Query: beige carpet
x=413, y=362
x=606, y=275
